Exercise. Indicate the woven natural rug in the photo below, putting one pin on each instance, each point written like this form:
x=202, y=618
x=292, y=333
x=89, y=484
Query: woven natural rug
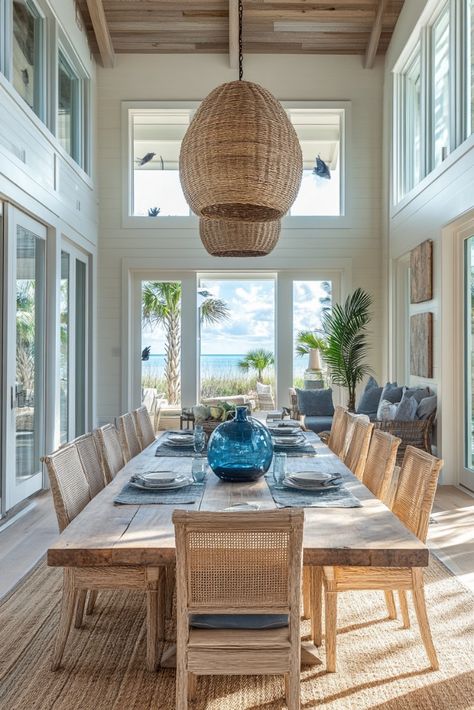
x=380, y=665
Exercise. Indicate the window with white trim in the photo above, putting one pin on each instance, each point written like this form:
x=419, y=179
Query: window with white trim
x=440, y=109
x=72, y=118
x=155, y=135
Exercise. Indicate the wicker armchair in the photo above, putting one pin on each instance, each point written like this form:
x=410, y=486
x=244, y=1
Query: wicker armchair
x=415, y=433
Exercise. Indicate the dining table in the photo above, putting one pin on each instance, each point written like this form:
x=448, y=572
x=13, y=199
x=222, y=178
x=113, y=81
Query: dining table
x=109, y=534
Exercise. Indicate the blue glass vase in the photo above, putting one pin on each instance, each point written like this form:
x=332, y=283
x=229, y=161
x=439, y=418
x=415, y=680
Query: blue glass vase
x=240, y=449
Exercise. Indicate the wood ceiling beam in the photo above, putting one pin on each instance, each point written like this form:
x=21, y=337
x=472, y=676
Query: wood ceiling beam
x=101, y=31
x=233, y=34
x=373, y=44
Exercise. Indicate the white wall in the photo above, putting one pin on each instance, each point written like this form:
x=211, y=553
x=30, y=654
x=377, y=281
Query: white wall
x=38, y=177
x=429, y=212
x=355, y=249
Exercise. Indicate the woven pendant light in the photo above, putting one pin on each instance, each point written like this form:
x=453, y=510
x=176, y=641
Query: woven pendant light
x=240, y=158
x=223, y=238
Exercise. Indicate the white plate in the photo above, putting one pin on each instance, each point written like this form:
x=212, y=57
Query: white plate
x=181, y=437
x=316, y=477
x=286, y=442
x=284, y=431
x=288, y=483
x=168, y=487
x=160, y=477
x=180, y=444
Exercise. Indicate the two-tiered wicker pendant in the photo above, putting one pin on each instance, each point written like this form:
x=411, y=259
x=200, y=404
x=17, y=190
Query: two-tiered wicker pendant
x=240, y=168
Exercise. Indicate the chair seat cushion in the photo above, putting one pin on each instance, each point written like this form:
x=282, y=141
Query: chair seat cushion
x=318, y=424
x=238, y=621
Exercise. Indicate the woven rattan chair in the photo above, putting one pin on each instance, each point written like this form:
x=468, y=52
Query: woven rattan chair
x=380, y=464
x=111, y=451
x=337, y=436
x=128, y=435
x=415, y=433
x=238, y=564
x=357, y=448
x=70, y=495
x=412, y=504
x=144, y=427
x=89, y=454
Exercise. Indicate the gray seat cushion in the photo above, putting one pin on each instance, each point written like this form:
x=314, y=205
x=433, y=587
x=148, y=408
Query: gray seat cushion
x=238, y=621
x=315, y=403
x=318, y=424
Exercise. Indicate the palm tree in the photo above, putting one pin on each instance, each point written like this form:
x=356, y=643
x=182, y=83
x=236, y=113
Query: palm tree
x=161, y=305
x=307, y=340
x=345, y=330
x=257, y=360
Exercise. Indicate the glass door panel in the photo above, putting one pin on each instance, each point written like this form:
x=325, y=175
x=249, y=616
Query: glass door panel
x=467, y=475
x=25, y=357
x=64, y=347
x=81, y=348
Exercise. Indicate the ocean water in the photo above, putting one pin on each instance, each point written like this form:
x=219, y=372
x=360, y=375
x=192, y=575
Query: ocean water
x=211, y=365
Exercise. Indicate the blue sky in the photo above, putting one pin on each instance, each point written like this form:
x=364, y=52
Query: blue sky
x=252, y=314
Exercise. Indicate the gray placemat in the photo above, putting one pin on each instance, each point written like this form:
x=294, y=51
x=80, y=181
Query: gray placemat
x=164, y=449
x=332, y=498
x=129, y=495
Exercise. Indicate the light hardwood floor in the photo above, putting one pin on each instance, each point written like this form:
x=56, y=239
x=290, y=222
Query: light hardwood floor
x=451, y=537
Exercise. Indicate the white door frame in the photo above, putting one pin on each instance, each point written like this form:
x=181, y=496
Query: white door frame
x=13, y=492
x=453, y=383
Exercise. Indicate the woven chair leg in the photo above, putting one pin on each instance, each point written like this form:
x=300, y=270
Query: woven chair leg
x=306, y=592
x=192, y=686
x=170, y=587
x=80, y=604
x=402, y=597
x=390, y=602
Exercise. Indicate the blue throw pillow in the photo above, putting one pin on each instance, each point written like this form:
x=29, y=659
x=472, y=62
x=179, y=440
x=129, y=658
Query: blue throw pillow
x=369, y=402
x=392, y=392
x=371, y=382
x=406, y=411
x=315, y=403
x=418, y=393
x=426, y=407
x=238, y=621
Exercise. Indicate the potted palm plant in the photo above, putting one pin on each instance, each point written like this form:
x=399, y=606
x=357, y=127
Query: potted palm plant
x=346, y=341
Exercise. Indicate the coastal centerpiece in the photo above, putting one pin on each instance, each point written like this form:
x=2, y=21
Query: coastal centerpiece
x=240, y=449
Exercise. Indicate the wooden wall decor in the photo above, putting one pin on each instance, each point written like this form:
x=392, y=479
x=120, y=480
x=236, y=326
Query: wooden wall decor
x=421, y=345
x=421, y=272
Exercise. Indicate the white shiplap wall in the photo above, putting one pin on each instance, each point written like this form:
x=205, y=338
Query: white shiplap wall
x=185, y=77
x=434, y=210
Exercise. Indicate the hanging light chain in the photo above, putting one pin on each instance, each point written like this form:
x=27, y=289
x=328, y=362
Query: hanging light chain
x=241, y=56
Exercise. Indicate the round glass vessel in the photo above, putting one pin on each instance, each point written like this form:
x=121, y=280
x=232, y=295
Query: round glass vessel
x=240, y=449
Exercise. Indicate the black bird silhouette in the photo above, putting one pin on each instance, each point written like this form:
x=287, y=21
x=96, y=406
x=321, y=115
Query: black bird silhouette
x=153, y=211
x=321, y=169
x=146, y=353
x=146, y=159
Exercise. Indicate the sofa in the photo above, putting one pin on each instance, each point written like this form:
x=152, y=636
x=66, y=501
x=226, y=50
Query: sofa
x=313, y=408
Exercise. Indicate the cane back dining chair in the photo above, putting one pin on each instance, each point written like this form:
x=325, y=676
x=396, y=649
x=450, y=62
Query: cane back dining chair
x=89, y=454
x=412, y=505
x=380, y=463
x=238, y=565
x=144, y=427
x=357, y=448
x=128, y=434
x=337, y=435
x=111, y=450
x=71, y=494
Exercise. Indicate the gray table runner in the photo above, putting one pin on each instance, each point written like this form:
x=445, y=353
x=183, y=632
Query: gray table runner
x=129, y=495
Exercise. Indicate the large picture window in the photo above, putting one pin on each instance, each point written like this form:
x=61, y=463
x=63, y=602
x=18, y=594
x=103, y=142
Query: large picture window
x=154, y=143
x=413, y=123
x=440, y=87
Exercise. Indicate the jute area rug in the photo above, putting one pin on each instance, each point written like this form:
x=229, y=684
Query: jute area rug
x=380, y=665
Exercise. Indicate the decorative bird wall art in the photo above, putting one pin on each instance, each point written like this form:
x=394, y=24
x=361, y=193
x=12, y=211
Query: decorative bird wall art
x=321, y=169
x=146, y=159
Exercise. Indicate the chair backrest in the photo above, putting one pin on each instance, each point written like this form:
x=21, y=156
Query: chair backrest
x=355, y=455
x=69, y=486
x=337, y=437
x=91, y=462
x=380, y=463
x=416, y=490
x=144, y=427
x=265, y=399
x=239, y=562
x=350, y=419
x=128, y=434
x=111, y=450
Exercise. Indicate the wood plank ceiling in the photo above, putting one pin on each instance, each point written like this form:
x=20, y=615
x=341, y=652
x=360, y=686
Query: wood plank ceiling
x=271, y=26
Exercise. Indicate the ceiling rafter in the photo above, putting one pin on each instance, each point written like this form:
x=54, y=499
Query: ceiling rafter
x=101, y=32
x=374, y=39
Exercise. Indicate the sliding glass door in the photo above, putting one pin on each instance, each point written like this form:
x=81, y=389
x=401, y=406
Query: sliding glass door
x=74, y=344
x=24, y=371
x=467, y=472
